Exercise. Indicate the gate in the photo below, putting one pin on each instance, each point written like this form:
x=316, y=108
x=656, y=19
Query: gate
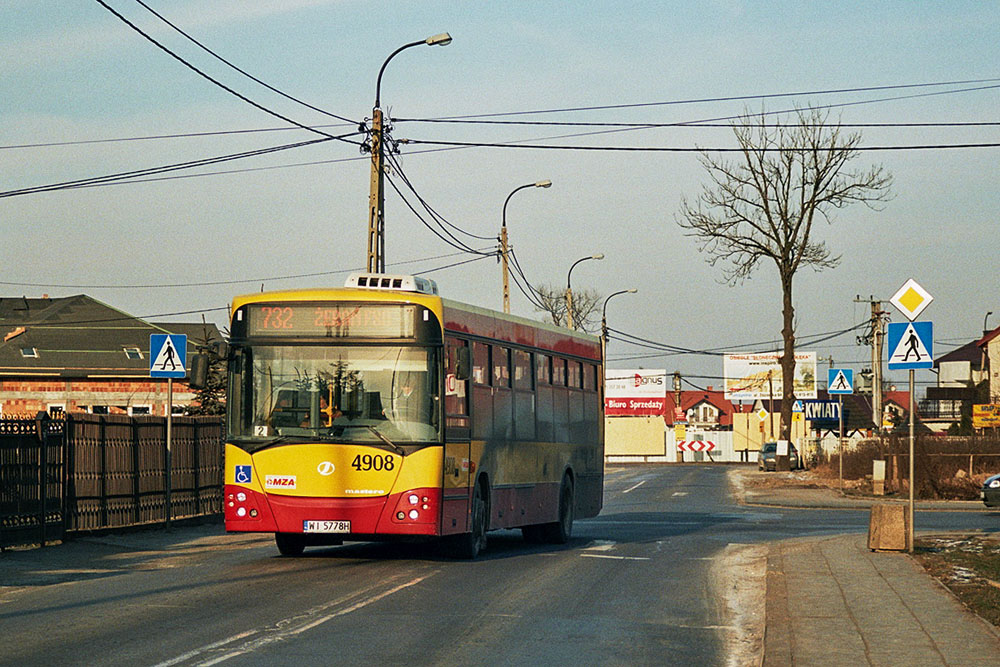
x=32, y=477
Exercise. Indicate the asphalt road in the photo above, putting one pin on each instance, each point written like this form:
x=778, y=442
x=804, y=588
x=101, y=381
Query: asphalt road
x=642, y=583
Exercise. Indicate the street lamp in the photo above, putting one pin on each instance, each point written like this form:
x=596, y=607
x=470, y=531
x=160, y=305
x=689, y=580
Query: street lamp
x=376, y=200
x=503, y=239
x=569, y=289
x=604, y=321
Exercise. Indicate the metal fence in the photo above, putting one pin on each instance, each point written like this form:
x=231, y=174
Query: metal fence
x=32, y=479
x=105, y=471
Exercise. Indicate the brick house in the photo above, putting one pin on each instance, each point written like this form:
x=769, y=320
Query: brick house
x=76, y=354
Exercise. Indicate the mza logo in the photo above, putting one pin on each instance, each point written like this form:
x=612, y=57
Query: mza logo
x=642, y=380
x=279, y=481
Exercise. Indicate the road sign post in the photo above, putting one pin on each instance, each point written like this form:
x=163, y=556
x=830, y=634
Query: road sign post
x=916, y=338
x=840, y=381
x=168, y=359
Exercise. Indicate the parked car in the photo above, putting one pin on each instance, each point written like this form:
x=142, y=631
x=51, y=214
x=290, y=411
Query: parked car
x=990, y=492
x=768, y=451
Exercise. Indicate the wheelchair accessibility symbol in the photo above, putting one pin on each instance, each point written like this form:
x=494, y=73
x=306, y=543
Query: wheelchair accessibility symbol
x=243, y=474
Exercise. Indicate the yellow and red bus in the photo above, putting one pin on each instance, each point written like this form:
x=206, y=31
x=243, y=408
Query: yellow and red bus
x=383, y=411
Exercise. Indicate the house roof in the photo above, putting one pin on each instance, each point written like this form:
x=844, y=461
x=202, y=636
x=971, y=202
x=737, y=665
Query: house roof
x=690, y=399
x=969, y=352
x=78, y=336
x=985, y=340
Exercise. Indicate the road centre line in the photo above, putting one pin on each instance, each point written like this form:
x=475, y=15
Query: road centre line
x=289, y=627
x=610, y=557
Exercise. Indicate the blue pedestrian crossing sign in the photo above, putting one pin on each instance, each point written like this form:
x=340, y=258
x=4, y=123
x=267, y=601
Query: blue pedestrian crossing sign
x=911, y=345
x=167, y=355
x=840, y=381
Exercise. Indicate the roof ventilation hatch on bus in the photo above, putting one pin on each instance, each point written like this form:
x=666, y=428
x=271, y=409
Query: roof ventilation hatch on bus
x=399, y=283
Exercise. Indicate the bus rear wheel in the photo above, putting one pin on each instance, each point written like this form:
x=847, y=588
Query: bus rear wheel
x=559, y=532
x=290, y=544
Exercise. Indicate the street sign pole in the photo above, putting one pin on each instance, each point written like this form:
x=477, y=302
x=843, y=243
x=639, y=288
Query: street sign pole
x=168, y=359
x=840, y=442
x=170, y=419
x=909, y=529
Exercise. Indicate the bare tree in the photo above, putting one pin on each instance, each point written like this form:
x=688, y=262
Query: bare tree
x=584, y=306
x=764, y=205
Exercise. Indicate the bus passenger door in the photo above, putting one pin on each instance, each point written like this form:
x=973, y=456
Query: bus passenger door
x=458, y=467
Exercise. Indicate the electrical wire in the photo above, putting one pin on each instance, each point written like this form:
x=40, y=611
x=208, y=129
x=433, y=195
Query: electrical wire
x=215, y=283
x=740, y=98
x=811, y=339
x=211, y=79
x=238, y=69
x=448, y=239
x=437, y=217
x=679, y=149
x=109, y=179
x=521, y=143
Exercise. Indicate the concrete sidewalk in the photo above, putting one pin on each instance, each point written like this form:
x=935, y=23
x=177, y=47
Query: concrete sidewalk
x=832, y=601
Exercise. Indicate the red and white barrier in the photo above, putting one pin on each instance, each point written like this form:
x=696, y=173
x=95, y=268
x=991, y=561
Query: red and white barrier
x=695, y=446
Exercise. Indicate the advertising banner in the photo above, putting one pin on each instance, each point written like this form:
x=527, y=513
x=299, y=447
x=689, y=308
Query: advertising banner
x=985, y=415
x=635, y=393
x=758, y=376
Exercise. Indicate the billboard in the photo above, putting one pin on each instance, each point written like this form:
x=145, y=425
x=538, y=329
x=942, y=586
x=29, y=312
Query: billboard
x=758, y=376
x=635, y=393
x=985, y=415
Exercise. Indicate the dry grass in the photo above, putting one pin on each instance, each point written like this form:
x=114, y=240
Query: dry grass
x=969, y=566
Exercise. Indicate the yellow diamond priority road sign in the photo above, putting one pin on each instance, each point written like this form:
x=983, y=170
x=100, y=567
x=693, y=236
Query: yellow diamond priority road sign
x=911, y=299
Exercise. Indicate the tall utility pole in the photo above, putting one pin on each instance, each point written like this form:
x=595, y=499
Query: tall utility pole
x=376, y=200
x=876, y=337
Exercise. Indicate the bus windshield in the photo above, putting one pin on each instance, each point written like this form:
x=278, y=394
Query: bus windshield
x=373, y=394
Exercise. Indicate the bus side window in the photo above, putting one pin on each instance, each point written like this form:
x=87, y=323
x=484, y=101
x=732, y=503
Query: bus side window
x=501, y=366
x=524, y=397
x=559, y=372
x=542, y=369
x=482, y=394
x=480, y=363
x=455, y=391
x=574, y=373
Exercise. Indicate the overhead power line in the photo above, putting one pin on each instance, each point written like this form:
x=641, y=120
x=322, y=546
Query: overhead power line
x=682, y=149
x=208, y=77
x=110, y=179
x=238, y=69
x=212, y=283
x=738, y=98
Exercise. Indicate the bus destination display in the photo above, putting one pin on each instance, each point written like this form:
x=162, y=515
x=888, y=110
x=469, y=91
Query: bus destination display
x=343, y=320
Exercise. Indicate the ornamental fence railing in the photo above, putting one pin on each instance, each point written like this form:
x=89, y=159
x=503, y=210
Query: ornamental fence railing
x=93, y=472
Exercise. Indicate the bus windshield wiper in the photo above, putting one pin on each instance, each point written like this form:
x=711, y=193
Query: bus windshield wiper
x=396, y=448
x=256, y=446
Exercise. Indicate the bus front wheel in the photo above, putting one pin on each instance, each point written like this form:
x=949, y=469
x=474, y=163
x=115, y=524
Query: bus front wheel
x=469, y=545
x=290, y=544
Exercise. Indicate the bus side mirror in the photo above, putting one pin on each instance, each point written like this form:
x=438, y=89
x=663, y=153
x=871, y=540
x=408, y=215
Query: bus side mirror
x=198, y=377
x=463, y=365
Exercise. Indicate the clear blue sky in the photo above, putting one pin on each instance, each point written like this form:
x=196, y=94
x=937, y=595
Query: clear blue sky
x=73, y=72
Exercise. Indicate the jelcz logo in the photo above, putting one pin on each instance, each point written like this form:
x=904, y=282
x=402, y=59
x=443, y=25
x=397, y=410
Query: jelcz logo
x=279, y=481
